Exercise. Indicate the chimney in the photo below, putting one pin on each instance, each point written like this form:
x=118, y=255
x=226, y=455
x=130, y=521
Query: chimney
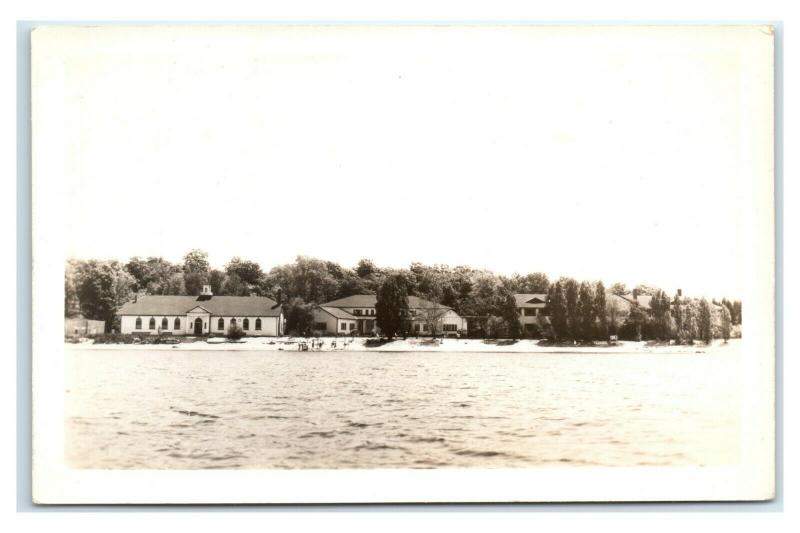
x=206, y=291
x=635, y=294
x=279, y=296
x=680, y=293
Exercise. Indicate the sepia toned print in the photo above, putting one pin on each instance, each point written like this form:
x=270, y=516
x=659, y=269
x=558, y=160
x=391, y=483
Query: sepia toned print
x=471, y=375
x=500, y=252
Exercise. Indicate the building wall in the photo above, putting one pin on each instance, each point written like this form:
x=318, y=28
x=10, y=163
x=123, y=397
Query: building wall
x=270, y=326
x=321, y=317
x=530, y=319
x=368, y=313
x=333, y=325
x=449, y=318
x=453, y=318
x=349, y=326
x=84, y=327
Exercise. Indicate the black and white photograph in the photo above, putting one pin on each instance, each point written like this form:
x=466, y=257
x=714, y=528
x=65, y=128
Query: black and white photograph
x=352, y=263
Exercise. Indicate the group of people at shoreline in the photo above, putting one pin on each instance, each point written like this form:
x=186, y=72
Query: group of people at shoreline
x=317, y=344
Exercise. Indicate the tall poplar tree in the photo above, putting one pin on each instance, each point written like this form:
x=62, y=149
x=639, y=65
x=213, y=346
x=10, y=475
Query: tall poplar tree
x=571, y=300
x=725, y=324
x=557, y=304
x=600, y=310
x=585, y=311
x=704, y=321
x=391, y=307
x=678, y=317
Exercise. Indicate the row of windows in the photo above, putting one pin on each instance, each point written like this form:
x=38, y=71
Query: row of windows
x=529, y=311
x=177, y=323
x=344, y=326
x=364, y=312
x=424, y=327
x=245, y=324
x=164, y=323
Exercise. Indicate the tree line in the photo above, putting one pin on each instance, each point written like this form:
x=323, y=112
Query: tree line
x=578, y=311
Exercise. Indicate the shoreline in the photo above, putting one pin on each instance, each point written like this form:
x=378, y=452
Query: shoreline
x=526, y=346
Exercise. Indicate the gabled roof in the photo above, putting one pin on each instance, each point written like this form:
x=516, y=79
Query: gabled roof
x=357, y=300
x=369, y=300
x=337, y=313
x=216, y=305
x=530, y=299
x=642, y=299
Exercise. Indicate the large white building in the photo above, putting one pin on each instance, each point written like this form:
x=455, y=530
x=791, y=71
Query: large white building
x=201, y=315
x=357, y=315
x=533, y=315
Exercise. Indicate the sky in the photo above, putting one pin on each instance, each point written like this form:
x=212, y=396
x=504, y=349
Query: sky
x=593, y=153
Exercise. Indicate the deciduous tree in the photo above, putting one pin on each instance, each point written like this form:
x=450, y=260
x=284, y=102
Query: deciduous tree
x=511, y=316
x=619, y=289
x=637, y=318
x=195, y=271
x=659, y=307
x=431, y=312
x=299, y=316
x=248, y=271
x=102, y=287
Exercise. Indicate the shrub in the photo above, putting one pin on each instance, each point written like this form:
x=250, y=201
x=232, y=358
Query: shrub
x=113, y=338
x=235, y=332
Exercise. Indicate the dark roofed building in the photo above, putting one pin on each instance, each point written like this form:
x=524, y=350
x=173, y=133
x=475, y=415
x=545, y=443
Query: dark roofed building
x=532, y=309
x=426, y=317
x=202, y=315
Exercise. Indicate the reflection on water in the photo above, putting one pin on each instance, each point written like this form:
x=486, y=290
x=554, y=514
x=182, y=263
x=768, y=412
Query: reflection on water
x=140, y=409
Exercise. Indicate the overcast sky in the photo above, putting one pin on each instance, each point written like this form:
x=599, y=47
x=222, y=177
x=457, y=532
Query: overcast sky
x=600, y=154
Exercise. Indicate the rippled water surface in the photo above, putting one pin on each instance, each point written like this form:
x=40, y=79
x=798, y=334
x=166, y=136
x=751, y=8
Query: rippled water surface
x=184, y=409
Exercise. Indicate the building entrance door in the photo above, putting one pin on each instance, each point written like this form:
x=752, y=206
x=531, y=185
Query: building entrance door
x=198, y=326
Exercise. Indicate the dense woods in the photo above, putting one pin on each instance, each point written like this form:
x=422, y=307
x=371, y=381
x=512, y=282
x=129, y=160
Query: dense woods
x=577, y=311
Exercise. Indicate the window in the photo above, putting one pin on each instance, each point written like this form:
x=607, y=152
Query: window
x=352, y=326
x=416, y=328
x=530, y=312
x=357, y=312
x=424, y=327
x=450, y=327
x=221, y=323
x=343, y=326
x=258, y=324
x=164, y=323
x=152, y=323
x=177, y=323
x=138, y=322
x=246, y=324
x=233, y=322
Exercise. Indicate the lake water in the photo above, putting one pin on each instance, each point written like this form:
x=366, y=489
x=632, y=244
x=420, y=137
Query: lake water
x=203, y=409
